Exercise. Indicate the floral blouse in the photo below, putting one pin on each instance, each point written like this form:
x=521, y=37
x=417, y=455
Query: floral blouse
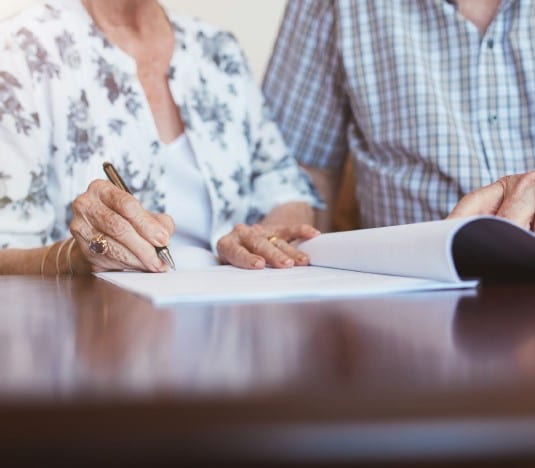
x=70, y=100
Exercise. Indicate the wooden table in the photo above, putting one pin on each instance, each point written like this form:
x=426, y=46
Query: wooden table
x=93, y=375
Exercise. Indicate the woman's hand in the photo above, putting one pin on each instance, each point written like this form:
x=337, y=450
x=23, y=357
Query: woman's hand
x=128, y=232
x=256, y=246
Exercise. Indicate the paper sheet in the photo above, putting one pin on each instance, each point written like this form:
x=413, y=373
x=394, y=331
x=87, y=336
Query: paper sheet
x=421, y=250
x=230, y=284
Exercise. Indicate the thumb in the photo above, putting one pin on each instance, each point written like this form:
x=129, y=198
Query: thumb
x=486, y=200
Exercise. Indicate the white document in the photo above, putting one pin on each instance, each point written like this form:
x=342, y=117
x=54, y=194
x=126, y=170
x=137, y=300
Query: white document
x=230, y=284
x=443, y=254
x=446, y=250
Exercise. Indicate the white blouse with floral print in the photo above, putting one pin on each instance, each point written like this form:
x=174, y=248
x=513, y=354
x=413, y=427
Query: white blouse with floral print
x=70, y=100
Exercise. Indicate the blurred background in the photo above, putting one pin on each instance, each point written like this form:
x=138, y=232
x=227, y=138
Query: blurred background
x=255, y=23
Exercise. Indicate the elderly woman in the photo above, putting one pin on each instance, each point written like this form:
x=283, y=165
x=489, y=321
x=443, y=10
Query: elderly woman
x=171, y=103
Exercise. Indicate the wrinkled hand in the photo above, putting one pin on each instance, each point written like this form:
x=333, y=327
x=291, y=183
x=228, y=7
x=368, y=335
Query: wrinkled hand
x=130, y=231
x=511, y=197
x=256, y=246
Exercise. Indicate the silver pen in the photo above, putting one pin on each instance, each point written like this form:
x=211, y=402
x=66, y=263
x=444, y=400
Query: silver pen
x=116, y=179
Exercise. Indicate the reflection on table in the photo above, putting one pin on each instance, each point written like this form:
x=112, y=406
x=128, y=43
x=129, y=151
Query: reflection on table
x=91, y=337
x=354, y=369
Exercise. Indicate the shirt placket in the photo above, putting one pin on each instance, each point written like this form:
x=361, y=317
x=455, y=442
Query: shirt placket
x=493, y=98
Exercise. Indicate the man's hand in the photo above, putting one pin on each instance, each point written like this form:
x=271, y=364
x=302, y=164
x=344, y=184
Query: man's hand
x=256, y=246
x=511, y=197
x=130, y=231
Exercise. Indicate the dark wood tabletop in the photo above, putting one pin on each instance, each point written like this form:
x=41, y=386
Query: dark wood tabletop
x=92, y=374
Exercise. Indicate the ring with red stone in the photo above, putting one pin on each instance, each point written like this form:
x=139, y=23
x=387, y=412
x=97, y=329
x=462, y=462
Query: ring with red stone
x=98, y=245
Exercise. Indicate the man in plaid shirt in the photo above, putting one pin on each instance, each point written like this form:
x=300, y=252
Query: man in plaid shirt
x=433, y=98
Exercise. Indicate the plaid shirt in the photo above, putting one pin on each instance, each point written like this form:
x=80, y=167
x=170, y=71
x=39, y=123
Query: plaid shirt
x=429, y=108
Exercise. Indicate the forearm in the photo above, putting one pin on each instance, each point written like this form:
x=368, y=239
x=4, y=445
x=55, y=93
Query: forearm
x=289, y=214
x=21, y=261
x=55, y=259
x=327, y=184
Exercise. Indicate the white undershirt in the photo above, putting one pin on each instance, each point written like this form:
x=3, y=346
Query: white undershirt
x=188, y=203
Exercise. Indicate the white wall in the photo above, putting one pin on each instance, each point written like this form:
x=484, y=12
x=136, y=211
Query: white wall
x=255, y=22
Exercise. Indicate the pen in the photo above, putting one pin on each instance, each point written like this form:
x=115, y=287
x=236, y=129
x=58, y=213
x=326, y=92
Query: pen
x=116, y=179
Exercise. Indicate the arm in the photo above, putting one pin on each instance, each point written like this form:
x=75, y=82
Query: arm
x=304, y=85
x=27, y=211
x=281, y=199
x=21, y=261
x=288, y=214
x=26, y=214
x=327, y=183
x=52, y=259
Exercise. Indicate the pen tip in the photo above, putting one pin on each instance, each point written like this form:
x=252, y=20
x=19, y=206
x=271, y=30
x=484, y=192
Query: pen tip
x=166, y=257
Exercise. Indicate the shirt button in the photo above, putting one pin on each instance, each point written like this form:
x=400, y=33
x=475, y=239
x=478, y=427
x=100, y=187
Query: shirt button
x=490, y=43
x=493, y=118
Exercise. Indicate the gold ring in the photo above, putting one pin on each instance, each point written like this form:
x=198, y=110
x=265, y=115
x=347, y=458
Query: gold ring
x=272, y=239
x=98, y=245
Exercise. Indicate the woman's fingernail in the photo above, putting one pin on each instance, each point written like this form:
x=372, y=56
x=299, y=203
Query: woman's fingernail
x=303, y=258
x=257, y=263
x=288, y=262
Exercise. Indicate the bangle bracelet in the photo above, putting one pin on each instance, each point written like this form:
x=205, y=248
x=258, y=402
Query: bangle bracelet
x=58, y=253
x=69, y=251
x=43, y=260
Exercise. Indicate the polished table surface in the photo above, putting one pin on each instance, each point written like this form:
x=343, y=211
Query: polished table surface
x=90, y=372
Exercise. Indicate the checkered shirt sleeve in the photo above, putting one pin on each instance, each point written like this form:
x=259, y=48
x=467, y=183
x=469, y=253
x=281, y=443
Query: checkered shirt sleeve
x=304, y=84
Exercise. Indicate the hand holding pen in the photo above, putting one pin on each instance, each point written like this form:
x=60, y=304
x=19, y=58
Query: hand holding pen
x=116, y=179
x=115, y=232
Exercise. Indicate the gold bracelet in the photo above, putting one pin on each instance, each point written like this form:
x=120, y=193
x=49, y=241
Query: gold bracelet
x=69, y=251
x=58, y=253
x=43, y=260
